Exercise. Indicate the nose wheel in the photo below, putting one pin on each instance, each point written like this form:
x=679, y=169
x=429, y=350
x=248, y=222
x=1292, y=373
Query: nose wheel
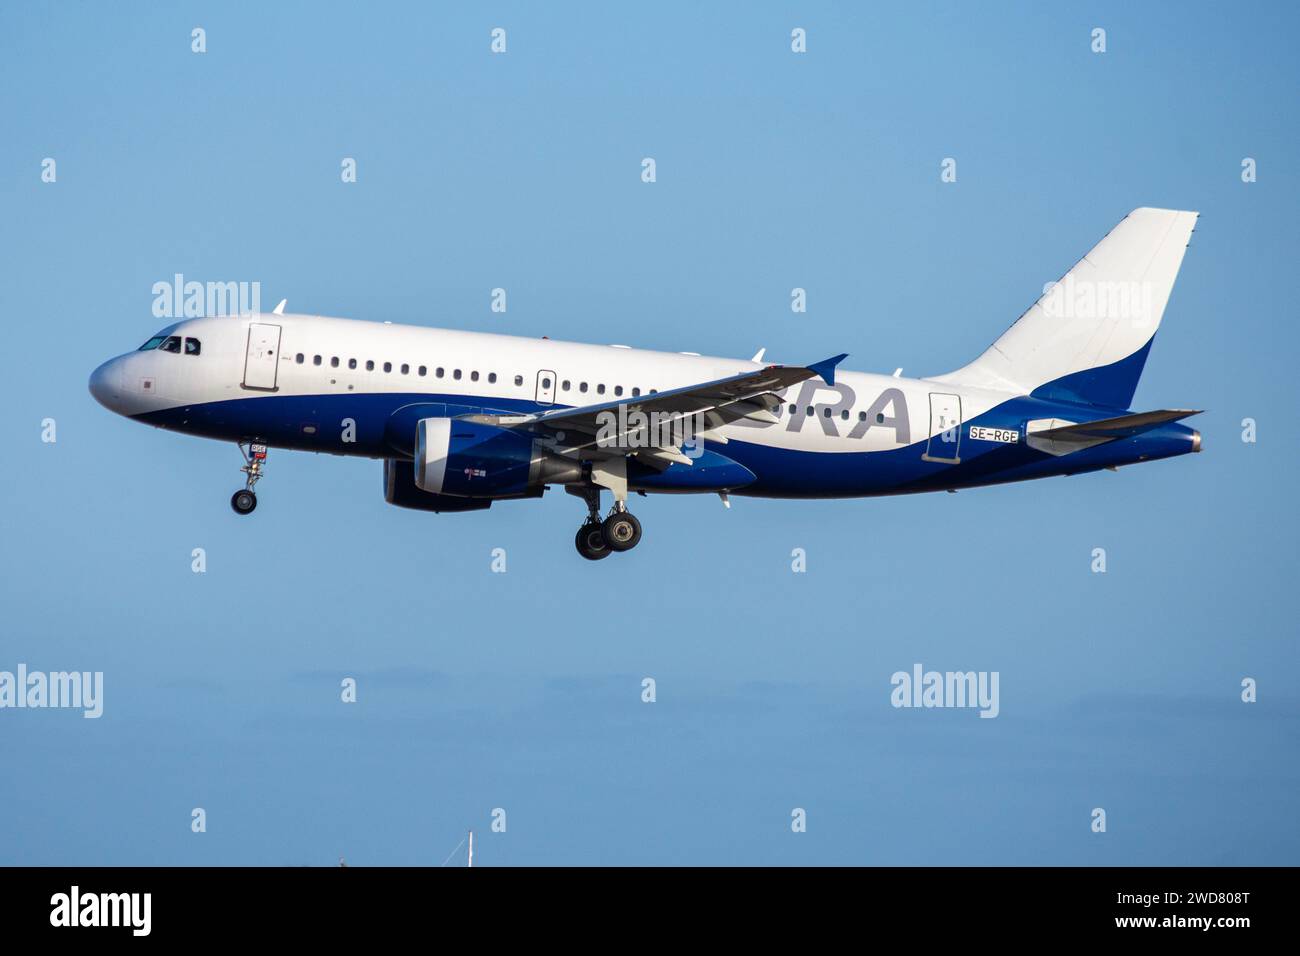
x=245, y=500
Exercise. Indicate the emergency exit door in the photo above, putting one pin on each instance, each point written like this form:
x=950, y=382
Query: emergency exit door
x=262, y=361
x=945, y=429
x=545, y=387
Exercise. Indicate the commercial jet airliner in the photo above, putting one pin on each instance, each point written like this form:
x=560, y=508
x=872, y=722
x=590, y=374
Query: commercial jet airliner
x=463, y=419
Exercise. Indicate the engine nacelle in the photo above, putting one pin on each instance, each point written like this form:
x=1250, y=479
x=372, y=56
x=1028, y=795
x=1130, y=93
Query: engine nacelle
x=400, y=490
x=472, y=460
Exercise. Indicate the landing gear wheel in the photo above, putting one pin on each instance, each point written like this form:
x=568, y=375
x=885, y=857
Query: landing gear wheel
x=244, y=500
x=591, y=542
x=621, y=530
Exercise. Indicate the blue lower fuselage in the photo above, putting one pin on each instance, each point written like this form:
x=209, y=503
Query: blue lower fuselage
x=385, y=424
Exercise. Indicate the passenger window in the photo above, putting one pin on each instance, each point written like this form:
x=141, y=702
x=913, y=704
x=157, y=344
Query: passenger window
x=473, y=376
x=388, y=366
x=370, y=365
x=565, y=385
x=424, y=370
x=636, y=392
x=862, y=416
x=439, y=373
x=315, y=360
x=153, y=343
x=456, y=375
x=519, y=380
x=172, y=344
x=492, y=377
x=406, y=369
x=352, y=363
x=298, y=358
x=582, y=387
x=845, y=415
x=600, y=389
x=193, y=346
x=880, y=418
x=334, y=361
x=794, y=410
x=618, y=389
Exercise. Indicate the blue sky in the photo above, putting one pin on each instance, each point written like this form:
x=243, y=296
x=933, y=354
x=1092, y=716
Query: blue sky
x=523, y=690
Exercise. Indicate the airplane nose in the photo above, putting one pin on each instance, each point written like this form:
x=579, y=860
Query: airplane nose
x=104, y=384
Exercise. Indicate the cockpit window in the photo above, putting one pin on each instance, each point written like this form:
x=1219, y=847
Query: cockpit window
x=193, y=346
x=153, y=343
x=172, y=344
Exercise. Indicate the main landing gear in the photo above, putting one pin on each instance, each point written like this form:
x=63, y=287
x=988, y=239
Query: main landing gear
x=245, y=499
x=619, y=531
x=591, y=541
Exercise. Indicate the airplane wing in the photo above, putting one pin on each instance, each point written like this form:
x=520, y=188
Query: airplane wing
x=747, y=395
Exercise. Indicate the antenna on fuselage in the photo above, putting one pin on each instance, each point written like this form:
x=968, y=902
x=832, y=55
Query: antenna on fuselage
x=279, y=309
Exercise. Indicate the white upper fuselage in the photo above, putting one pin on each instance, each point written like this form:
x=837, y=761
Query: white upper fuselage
x=486, y=368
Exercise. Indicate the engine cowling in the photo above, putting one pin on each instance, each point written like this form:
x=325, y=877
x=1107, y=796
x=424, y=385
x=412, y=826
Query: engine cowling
x=400, y=490
x=472, y=460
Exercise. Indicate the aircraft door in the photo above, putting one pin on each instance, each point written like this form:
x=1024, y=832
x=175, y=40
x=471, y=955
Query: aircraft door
x=262, y=360
x=945, y=429
x=545, y=387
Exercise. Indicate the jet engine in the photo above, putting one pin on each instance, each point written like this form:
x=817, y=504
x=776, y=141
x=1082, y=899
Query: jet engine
x=400, y=490
x=472, y=460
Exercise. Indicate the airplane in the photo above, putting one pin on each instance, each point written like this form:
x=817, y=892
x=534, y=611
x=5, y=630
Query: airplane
x=465, y=419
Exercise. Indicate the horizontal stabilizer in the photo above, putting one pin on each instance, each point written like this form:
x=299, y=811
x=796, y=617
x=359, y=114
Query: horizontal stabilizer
x=1058, y=437
x=1125, y=426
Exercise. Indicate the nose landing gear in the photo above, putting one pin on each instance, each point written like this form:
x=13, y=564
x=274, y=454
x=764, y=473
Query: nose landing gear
x=245, y=500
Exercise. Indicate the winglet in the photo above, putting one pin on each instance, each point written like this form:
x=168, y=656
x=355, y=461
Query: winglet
x=826, y=367
x=279, y=309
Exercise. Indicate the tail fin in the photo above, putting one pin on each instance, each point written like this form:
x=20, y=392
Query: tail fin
x=1086, y=340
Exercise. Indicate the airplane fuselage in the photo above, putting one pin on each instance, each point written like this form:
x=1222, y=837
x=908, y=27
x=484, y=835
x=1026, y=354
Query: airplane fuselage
x=351, y=387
